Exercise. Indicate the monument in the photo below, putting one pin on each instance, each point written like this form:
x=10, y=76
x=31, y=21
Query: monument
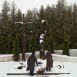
x=43, y=33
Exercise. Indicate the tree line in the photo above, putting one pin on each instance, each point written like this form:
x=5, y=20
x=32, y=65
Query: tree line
x=61, y=27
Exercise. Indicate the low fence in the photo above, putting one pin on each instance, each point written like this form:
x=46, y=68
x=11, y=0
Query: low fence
x=6, y=57
x=72, y=52
x=56, y=57
x=64, y=58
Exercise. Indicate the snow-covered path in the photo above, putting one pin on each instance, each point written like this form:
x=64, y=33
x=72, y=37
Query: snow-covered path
x=4, y=67
x=71, y=67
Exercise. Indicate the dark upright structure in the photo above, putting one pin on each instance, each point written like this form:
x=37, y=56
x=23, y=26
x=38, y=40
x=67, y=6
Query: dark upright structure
x=23, y=41
x=42, y=54
x=22, y=25
x=43, y=33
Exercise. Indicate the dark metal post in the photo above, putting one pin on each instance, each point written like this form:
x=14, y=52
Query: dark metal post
x=23, y=41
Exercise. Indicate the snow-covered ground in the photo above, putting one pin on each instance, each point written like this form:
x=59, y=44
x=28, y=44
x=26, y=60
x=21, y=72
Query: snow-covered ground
x=7, y=67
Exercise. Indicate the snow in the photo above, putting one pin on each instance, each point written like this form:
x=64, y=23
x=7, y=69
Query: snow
x=11, y=66
x=45, y=31
x=43, y=21
x=41, y=41
x=5, y=55
x=18, y=22
x=42, y=36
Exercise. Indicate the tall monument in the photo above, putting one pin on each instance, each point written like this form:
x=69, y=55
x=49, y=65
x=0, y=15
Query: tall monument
x=42, y=36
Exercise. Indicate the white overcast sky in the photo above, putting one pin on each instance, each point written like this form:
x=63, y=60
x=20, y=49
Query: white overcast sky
x=30, y=4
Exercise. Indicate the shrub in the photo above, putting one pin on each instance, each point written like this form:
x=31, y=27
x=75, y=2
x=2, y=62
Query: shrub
x=66, y=47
